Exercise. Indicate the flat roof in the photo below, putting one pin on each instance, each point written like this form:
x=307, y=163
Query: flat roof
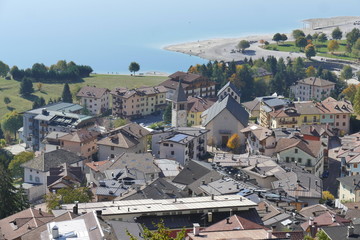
x=163, y=205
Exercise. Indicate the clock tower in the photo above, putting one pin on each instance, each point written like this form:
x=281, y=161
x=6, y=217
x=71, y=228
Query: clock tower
x=179, y=105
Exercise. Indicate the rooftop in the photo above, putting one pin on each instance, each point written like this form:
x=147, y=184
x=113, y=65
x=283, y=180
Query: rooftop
x=154, y=207
x=92, y=92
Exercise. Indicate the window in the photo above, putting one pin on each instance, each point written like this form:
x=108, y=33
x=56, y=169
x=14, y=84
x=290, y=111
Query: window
x=296, y=150
x=37, y=179
x=287, y=159
x=305, y=119
x=337, y=116
x=171, y=145
x=337, y=124
x=172, y=152
x=323, y=116
x=112, y=148
x=355, y=165
x=344, y=116
x=299, y=160
x=30, y=177
x=112, y=156
x=344, y=124
x=314, y=118
x=166, y=144
x=293, y=159
x=331, y=116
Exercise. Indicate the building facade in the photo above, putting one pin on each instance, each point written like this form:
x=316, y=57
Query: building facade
x=193, y=84
x=95, y=100
x=134, y=103
x=312, y=88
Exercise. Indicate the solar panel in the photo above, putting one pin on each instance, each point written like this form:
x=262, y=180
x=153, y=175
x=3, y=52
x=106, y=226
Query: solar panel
x=178, y=137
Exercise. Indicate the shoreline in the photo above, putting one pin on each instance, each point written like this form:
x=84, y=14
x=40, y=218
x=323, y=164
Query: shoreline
x=221, y=49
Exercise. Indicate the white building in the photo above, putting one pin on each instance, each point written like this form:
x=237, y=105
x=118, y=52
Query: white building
x=94, y=99
x=61, y=117
x=181, y=144
x=312, y=88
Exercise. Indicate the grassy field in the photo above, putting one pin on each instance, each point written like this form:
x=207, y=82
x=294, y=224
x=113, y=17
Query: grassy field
x=10, y=88
x=321, y=49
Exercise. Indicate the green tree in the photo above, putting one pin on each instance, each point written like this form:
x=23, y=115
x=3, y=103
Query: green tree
x=67, y=195
x=167, y=114
x=357, y=101
x=15, y=164
x=161, y=233
x=284, y=37
x=243, y=44
x=301, y=42
x=321, y=235
x=309, y=37
x=336, y=33
x=315, y=36
x=5, y=156
x=1, y=133
x=26, y=87
x=346, y=72
x=66, y=94
x=297, y=34
x=277, y=38
x=7, y=100
x=10, y=202
x=4, y=69
x=352, y=37
x=310, y=51
x=120, y=122
x=134, y=67
x=322, y=38
x=12, y=121
x=356, y=48
x=333, y=45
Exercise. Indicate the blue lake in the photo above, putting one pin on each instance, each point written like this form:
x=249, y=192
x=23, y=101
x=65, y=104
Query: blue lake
x=109, y=34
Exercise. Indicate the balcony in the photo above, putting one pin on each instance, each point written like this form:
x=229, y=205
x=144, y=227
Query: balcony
x=288, y=121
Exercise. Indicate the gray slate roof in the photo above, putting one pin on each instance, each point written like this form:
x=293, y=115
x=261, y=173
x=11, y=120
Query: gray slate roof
x=158, y=189
x=193, y=171
x=230, y=85
x=236, y=109
x=340, y=232
x=179, y=95
x=350, y=180
x=52, y=159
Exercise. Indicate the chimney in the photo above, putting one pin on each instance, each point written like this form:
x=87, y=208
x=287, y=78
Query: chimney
x=311, y=221
x=210, y=217
x=267, y=208
x=196, y=229
x=269, y=234
x=203, y=182
x=76, y=208
x=55, y=232
x=354, y=181
x=227, y=220
x=212, y=196
x=40, y=212
x=350, y=231
x=356, y=207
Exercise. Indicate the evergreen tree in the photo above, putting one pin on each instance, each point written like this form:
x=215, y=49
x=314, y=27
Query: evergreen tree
x=357, y=101
x=277, y=85
x=66, y=94
x=10, y=202
x=1, y=133
x=167, y=114
x=26, y=87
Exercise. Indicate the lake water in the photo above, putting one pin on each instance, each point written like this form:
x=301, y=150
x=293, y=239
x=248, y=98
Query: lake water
x=109, y=34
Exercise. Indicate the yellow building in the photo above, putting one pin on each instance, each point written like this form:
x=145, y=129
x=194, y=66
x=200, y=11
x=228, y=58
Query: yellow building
x=196, y=106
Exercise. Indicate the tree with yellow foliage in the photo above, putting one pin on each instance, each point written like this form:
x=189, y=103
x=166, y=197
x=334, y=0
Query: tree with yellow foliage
x=234, y=142
x=310, y=71
x=332, y=46
x=326, y=195
x=350, y=92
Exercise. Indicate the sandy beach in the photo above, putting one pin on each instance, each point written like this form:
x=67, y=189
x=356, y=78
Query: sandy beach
x=221, y=49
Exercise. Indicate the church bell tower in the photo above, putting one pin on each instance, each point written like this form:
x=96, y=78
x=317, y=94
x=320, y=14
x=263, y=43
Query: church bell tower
x=179, y=105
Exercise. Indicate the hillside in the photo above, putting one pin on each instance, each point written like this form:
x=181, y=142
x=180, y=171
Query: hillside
x=10, y=88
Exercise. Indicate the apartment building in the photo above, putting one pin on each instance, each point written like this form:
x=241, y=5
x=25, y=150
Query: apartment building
x=60, y=117
x=333, y=113
x=312, y=88
x=95, y=100
x=137, y=102
x=193, y=84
